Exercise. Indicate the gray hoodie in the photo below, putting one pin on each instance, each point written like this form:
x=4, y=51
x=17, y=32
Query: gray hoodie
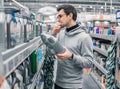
x=70, y=72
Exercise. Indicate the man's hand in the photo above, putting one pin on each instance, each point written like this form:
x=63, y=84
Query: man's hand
x=56, y=29
x=66, y=55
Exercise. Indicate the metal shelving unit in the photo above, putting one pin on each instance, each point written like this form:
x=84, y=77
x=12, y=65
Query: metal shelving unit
x=103, y=52
x=97, y=82
x=100, y=67
x=110, y=38
x=104, y=37
x=12, y=58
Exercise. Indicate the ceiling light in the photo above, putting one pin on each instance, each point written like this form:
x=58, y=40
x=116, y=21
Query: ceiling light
x=47, y=10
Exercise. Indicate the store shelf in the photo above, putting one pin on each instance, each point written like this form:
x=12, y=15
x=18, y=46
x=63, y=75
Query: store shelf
x=103, y=52
x=104, y=37
x=100, y=67
x=97, y=82
x=118, y=84
x=12, y=58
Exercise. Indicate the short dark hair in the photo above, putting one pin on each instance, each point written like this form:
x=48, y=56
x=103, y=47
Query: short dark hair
x=68, y=9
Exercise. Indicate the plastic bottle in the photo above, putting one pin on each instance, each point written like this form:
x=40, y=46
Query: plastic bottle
x=34, y=62
x=109, y=31
x=97, y=30
x=52, y=43
x=39, y=54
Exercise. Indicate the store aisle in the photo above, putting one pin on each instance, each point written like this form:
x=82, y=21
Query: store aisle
x=89, y=83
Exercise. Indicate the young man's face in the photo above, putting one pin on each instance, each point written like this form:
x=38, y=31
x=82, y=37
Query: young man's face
x=63, y=19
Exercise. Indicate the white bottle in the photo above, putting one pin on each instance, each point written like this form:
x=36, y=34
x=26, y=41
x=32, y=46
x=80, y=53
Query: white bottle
x=52, y=42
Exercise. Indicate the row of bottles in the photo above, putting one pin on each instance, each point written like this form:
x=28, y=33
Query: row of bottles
x=22, y=76
x=100, y=44
x=102, y=27
x=18, y=28
x=99, y=77
x=99, y=69
x=100, y=59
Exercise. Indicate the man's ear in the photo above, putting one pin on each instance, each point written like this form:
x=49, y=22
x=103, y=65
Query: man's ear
x=71, y=15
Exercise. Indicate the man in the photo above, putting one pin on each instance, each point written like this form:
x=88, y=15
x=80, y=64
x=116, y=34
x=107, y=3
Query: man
x=78, y=49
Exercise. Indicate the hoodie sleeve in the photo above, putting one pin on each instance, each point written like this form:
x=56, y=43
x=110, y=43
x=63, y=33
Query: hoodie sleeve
x=85, y=59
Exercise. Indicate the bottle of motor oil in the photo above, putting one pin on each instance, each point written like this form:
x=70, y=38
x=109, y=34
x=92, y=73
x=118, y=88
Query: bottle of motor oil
x=52, y=43
x=33, y=57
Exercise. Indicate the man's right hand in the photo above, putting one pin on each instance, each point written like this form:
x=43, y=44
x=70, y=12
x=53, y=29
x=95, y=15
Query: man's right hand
x=56, y=29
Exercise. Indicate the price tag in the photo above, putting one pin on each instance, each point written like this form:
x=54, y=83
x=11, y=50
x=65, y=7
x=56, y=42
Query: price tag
x=4, y=84
x=11, y=64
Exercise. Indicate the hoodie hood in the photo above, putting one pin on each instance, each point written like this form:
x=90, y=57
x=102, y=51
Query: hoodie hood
x=75, y=31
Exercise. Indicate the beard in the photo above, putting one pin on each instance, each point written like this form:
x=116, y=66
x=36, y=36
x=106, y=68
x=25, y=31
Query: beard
x=63, y=25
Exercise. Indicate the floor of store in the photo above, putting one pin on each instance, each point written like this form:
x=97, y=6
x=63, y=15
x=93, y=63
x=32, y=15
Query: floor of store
x=89, y=83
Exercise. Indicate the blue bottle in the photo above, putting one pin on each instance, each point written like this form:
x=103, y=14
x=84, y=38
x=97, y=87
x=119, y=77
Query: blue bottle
x=109, y=31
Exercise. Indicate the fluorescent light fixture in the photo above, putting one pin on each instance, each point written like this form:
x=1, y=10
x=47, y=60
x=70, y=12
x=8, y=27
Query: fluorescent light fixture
x=47, y=10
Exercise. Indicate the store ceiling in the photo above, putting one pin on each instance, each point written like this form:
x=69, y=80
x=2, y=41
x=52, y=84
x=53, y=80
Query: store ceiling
x=103, y=6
